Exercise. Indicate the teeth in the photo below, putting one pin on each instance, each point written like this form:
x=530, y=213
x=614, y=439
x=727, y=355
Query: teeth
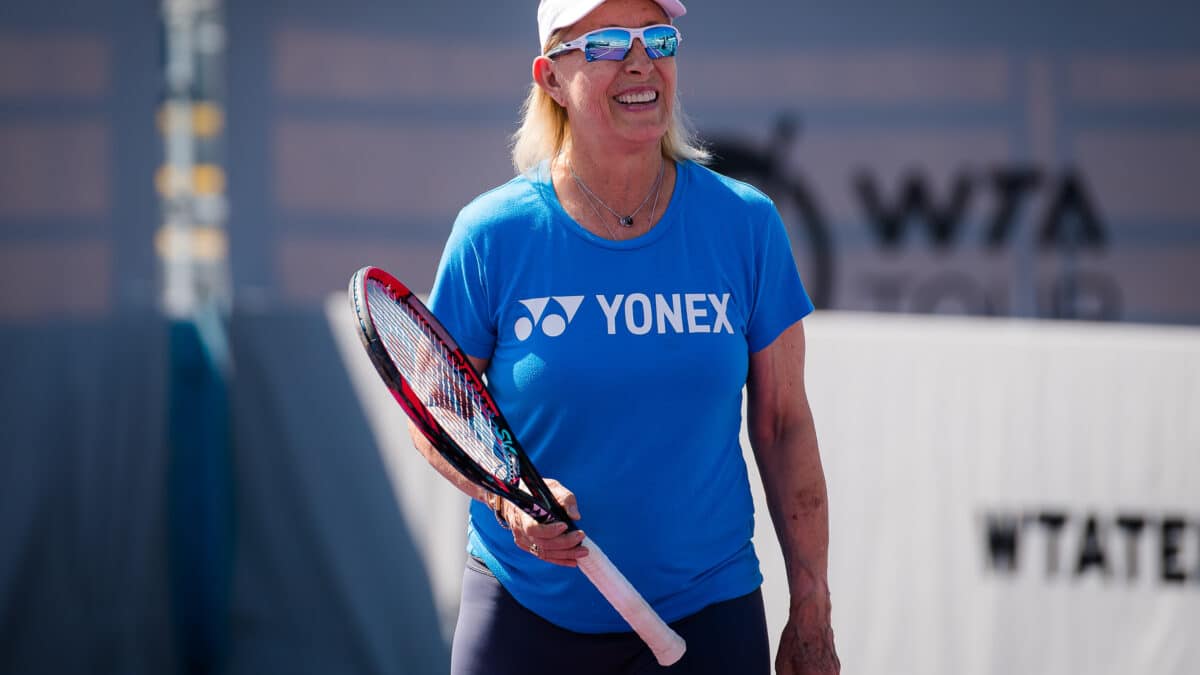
x=639, y=97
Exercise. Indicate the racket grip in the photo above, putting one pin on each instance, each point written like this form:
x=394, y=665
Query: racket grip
x=666, y=644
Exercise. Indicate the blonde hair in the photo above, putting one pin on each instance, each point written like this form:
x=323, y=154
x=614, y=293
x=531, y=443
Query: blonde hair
x=545, y=129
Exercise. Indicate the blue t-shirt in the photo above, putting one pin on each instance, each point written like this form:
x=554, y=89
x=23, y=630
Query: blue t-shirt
x=620, y=365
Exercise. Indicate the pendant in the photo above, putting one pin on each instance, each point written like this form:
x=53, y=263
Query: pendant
x=627, y=221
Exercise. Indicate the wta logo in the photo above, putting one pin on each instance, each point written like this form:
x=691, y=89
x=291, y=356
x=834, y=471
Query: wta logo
x=552, y=324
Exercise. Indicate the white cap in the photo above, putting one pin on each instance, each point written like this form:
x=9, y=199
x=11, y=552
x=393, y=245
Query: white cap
x=555, y=14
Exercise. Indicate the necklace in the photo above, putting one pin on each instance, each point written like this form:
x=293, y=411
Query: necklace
x=603, y=221
x=612, y=233
x=624, y=221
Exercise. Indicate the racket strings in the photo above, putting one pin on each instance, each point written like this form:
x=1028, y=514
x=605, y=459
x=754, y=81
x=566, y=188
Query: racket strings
x=432, y=371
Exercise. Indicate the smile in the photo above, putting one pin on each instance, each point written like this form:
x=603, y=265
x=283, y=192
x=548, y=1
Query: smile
x=637, y=97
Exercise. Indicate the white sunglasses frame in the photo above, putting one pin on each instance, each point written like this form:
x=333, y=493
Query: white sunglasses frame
x=580, y=43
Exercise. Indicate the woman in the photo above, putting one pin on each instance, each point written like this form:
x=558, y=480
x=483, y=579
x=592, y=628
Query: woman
x=618, y=296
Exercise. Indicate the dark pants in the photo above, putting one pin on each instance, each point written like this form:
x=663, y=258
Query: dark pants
x=497, y=636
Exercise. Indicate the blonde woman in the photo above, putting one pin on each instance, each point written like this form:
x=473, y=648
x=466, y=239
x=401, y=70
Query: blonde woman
x=619, y=296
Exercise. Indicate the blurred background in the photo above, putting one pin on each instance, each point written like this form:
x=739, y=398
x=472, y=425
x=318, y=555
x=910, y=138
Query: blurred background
x=996, y=209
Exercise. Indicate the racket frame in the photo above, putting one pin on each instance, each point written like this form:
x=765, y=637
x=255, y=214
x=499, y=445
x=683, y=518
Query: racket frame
x=538, y=502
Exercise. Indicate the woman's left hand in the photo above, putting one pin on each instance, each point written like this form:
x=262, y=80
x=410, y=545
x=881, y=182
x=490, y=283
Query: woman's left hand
x=806, y=646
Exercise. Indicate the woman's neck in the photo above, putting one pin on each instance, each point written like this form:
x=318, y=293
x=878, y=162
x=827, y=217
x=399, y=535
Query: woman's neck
x=621, y=180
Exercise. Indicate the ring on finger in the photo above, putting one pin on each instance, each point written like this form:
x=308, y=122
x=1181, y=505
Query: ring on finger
x=535, y=550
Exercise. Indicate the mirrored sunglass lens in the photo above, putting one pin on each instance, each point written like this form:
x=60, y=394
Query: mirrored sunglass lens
x=661, y=41
x=607, y=45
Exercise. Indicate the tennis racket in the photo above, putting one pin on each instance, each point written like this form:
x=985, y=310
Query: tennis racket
x=435, y=384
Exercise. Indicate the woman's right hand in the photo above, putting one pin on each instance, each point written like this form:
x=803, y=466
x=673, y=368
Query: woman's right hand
x=550, y=542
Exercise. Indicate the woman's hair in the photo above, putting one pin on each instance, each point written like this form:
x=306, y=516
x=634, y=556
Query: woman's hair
x=545, y=129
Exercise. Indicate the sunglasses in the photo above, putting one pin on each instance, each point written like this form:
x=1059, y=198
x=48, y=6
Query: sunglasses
x=614, y=43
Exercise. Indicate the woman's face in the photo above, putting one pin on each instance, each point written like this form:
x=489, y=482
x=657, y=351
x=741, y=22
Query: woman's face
x=618, y=104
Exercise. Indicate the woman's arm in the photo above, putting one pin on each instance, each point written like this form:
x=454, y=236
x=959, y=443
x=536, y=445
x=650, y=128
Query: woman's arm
x=784, y=441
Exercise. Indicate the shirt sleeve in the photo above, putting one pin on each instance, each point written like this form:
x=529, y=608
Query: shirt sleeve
x=459, y=298
x=779, y=296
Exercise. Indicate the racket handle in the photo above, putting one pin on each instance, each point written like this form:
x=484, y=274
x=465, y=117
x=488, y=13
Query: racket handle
x=666, y=644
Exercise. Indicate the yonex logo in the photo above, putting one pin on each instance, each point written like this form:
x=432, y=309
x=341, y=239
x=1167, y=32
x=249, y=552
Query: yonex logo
x=552, y=324
x=674, y=313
